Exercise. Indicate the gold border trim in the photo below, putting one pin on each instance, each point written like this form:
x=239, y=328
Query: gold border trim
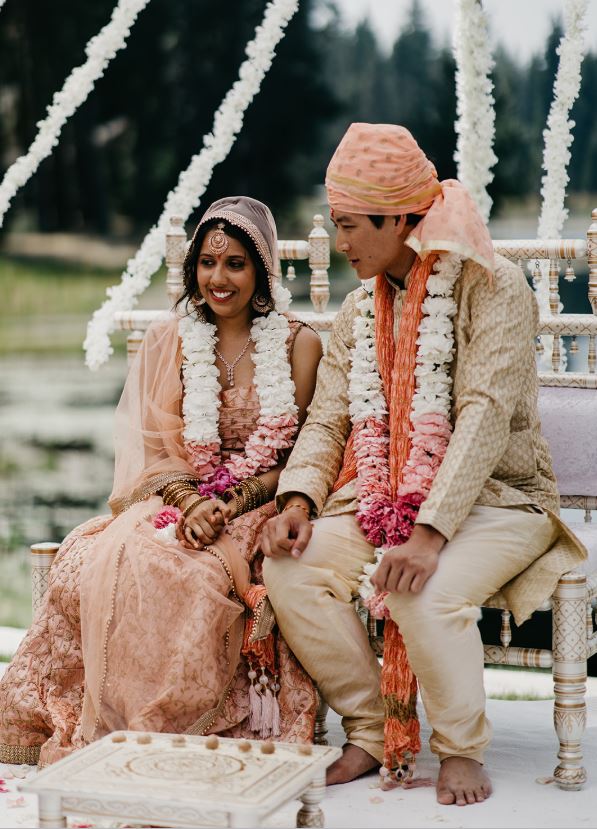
x=19, y=755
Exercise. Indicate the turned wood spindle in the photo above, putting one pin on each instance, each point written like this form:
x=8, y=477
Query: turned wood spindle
x=319, y=262
x=554, y=293
x=506, y=630
x=592, y=354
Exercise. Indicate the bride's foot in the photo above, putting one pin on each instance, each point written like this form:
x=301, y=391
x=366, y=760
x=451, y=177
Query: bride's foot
x=462, y=781
x=354, y=762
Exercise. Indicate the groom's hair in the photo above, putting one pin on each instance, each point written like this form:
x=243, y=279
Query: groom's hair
x=411, y=219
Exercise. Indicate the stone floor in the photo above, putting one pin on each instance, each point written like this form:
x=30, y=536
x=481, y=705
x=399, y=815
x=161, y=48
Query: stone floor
x=520, y=760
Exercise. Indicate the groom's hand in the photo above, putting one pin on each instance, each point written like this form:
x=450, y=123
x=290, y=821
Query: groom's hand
x=407, y=568
x=288, y=533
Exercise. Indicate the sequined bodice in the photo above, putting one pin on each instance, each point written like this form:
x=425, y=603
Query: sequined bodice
x=238, y=417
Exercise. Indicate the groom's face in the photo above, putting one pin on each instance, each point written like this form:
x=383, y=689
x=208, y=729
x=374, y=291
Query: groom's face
x=369, y=249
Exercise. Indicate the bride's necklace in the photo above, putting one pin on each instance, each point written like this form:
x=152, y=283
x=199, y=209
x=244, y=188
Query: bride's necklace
x=231, y=366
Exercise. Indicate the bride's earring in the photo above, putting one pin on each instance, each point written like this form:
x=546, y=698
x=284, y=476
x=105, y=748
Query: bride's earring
x=262, y=304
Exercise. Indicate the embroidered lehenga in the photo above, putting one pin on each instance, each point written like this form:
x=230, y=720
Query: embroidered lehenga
x=140, y=633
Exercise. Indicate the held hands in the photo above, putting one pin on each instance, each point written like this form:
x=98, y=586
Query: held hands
x=204, y=524
x=289, y=533
x=407, y=568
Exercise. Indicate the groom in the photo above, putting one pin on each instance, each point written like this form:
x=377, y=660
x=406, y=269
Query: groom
x=487, y=522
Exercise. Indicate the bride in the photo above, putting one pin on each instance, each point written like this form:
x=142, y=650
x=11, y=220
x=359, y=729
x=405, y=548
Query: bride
x=156, y=618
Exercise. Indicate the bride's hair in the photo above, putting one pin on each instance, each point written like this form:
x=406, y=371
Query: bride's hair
x=190, y=264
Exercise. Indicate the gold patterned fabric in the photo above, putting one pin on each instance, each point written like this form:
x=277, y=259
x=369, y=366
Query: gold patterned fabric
x=496, y=457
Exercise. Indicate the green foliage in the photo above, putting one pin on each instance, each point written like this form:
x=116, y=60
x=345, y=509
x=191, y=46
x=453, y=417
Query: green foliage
x=15, y=590
x=125, y=147
x=46, y=304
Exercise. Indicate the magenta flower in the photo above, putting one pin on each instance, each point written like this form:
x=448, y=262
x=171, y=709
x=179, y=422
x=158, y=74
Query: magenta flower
x=166, y=516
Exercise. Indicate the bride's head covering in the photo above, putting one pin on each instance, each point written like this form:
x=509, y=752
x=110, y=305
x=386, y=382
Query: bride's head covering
x=149, y=446
x=256, y=220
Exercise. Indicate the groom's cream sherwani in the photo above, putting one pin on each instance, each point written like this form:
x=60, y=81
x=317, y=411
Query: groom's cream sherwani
x=494, y=499
x=497, y=456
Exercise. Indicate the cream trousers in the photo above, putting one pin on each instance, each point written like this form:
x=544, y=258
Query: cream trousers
x=312, y=598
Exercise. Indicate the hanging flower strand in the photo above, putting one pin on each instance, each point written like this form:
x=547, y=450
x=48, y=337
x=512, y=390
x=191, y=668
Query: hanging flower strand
x=558, y=140
x=475, y=124
x=558, y=133
x=100, y=50
x=185, y=197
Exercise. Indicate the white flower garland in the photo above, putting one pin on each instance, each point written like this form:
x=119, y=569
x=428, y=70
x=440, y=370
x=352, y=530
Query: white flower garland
x=558, y=140
x=558, y=134
x=185, y=197
x=435, y=351
x=100, y=50
x=273, y=381
x=475, y=124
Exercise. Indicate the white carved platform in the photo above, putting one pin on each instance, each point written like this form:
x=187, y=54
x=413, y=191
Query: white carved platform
x=178, y=781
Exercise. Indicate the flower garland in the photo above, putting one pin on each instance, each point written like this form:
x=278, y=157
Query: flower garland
x=475, y=124
x=278, y=418
x=384, y=521
x=558, y=140
x=192, y=182
x=558, y=134
x=100, y=50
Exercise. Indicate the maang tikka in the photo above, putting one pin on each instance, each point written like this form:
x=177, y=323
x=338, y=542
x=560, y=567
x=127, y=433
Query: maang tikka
x=218, y=242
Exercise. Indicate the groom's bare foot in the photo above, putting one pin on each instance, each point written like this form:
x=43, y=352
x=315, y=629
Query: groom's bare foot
x=462, y=781
x=354, y=762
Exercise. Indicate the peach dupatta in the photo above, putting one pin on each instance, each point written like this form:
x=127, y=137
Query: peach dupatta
x=115, y=607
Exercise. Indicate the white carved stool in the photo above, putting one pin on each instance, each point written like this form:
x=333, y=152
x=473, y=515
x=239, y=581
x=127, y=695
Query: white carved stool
x=180, y=780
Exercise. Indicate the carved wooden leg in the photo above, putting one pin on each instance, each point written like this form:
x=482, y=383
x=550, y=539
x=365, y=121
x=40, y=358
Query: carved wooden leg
x=50, y=812
x=321, y=729
x=570, y=676
x=311, y=813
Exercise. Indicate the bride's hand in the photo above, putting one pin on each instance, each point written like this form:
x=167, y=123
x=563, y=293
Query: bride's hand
x=203, y=524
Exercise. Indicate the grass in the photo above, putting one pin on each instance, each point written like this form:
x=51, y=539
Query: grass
x=46, y=304
x=15, y=593
x=523, y=695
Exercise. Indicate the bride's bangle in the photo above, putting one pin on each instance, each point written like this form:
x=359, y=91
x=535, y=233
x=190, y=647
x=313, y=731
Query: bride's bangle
x=190, y=507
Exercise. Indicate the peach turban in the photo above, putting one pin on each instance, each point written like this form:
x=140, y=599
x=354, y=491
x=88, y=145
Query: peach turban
x=379, y=169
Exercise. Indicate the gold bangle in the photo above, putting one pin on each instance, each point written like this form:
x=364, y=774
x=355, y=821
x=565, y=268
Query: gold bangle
x=177, y=500
x=261, y=490
x=257, y=491
x=299, y=506
x=234, y=495
x=189, y=509
x=172, y=492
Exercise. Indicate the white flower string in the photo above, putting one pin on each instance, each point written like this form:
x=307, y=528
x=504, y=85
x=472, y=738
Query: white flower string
x=430, y=412
x=192, y=182
x=100, y=50
x=475, y=123
x=558, y=140
x=278, y=416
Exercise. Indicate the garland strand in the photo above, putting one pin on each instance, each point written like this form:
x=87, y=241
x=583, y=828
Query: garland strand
x=278, y=413
x=185, y=197
x=558, y=140
x=475, y=123
x=100, y=50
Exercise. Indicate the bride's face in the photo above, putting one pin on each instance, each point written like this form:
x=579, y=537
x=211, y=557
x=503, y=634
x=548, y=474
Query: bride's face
x=226, y=280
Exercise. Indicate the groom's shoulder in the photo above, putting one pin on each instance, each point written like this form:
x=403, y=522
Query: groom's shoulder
x=344, y=321
x=349, y=309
